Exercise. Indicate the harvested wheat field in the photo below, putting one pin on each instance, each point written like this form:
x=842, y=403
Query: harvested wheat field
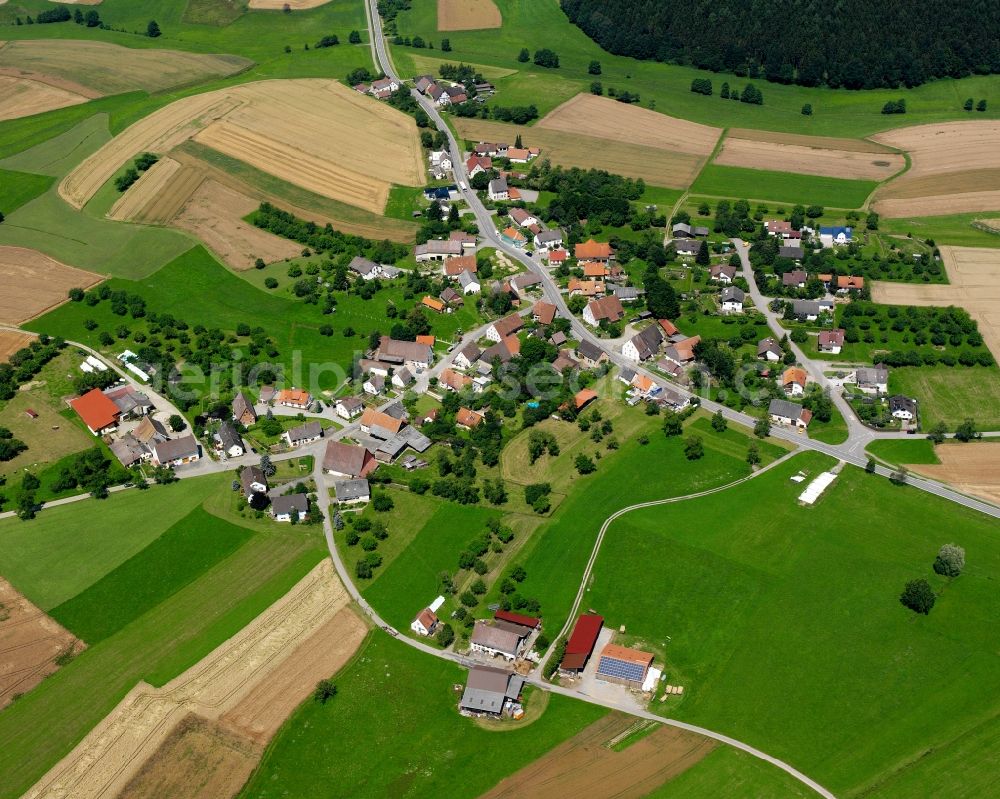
x=80, y=2
x=21, y=97
x=809, y=159
x=30, y=642
x=13, y=340
x=974, y=275
x=590, y=115
x=955, y=168
x=228, y=680
x=150, y=184
x=33, y=283
x=294, y=5
x=971, y=468
x=468, y=15
x=112, y=69
x=585, y=765
x=660, y=167
x=214, y=213
x=306, y=132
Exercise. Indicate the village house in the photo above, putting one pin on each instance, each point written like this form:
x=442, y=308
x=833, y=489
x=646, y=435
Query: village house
x=433, y=304
x=175, y=451
x=872, y=380
x=831, y=341
x=581, y=643
x=440, y=162
x=456, y=94
x=795, y=279
x=548, y=240
x=243, y=410
x=290, y=506
x=468, y=419
x=557, y=257
x=348, y=407
x=303, y=434
x=520, y=284
x=792, y=251
x=626, y=293
x=131, y=404
x=489, y=691
x=498, y=190
x=426, y=622
x=401, y=378
x=564, y=360
x=782, y=229
x=99, y=413
x=590, y=354
x=903, y=408
x=477, y=164
x=374, y=384
x=150, y=429
x=437, y=250
x=351, y=492
x=835, y=236
x=294, y=398
x=229, y=441
x=454, y=381
x=523, y=218
x=848, y=283
x=380, y=425
x=504, y=350
x=790, y=414
x=520, y=155
x=129, y=450
x=414, y=356
x=467, y=356
x=793, y=381
x=604, y=309
x=467, y=240
x=810, y=310
x=586, y=288
x=722, y=273
x=687, y=246
x=453, y=267
x=769, y=350
x=591, y=250
x=505, y=327
x=498, y=639
x=644, y=344
x=543, y=312
x=681, y=352
x=348, y=460
x=253, y=481
x=623, y=665
x=593, y=269
x=365, y=268
x=731, y=299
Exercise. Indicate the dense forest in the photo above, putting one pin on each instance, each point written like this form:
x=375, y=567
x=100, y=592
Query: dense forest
x=854, y=44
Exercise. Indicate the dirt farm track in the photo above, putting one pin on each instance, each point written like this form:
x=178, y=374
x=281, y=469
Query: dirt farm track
x=244, y=688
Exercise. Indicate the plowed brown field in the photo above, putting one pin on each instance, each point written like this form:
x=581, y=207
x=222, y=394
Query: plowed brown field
x=229, y=680
x=974, y=275
x=653, y=164
x=33, y=283
x=809, y=159
x=214, y=213
x=306, y=132
x=604, y=118
x=468, y=15
x=971, y=468
x=584, y=766
x=30, y=642
x=955, y=168
x=21, y=97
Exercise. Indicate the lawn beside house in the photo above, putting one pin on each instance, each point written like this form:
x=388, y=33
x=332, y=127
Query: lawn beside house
x=951, y=395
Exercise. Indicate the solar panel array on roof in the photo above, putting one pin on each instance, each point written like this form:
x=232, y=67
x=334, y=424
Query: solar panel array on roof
x=612, y=667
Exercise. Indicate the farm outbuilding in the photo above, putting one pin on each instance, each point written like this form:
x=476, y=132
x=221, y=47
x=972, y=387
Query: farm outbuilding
x=581, y=642
x=623, y=665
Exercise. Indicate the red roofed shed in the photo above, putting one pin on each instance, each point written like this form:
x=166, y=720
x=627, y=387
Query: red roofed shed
x=517, y=618
x=582, y=642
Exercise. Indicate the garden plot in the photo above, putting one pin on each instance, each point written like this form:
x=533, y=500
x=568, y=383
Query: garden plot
x=33, y=283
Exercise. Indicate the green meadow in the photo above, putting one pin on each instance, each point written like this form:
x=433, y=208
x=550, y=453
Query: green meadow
x=951, y=395
x=897, y=451
x=783, y=622
x=782, y=187
x=375, y=740
x=155, y=581
x=18, y=188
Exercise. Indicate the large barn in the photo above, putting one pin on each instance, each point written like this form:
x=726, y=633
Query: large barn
x=623, y=665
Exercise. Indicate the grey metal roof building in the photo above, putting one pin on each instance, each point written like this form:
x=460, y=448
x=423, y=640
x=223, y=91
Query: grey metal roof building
x=351, y=490
x=487, y=689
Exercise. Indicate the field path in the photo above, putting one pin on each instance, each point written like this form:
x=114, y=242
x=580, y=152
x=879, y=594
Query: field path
x=106, y=759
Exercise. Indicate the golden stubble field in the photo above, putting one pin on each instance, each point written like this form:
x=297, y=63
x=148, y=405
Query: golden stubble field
x=971, y=468
x=955, y=168
x=316, y=134
x=240, y=693
x=467, y=15
x=974, y=275
x=104, y=68
x=22, y=97
x=826, y=157
x=33, y=283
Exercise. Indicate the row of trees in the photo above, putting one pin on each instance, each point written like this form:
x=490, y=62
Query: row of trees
x=750, y=94
x=91, y=19
x=543, y=58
